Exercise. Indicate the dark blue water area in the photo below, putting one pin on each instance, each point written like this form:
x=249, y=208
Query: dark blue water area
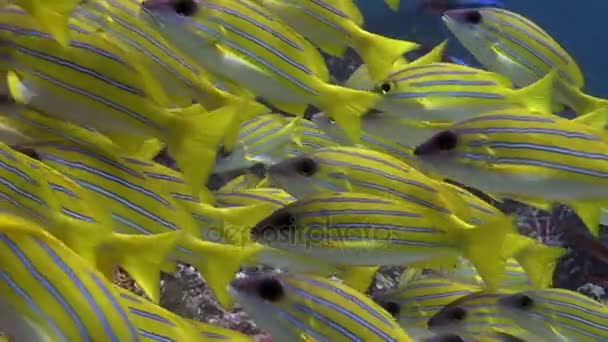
x=579, y=27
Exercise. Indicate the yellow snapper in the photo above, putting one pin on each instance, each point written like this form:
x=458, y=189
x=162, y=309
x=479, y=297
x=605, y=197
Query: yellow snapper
x=269, y=139
x=446, y=92
x=49, y=293
x=525, y=155
x=352, y=169
x=366, y=230
x=412, y=304
x=153, y=323
x=244, y=43
x=335, y=25
x=477, y=313
x=90, y=79
x=139, y=205
x=294, y=307
x=512, y=45
x=557, y=314
x=181, y=79
x=492, y=336
x=362, y=80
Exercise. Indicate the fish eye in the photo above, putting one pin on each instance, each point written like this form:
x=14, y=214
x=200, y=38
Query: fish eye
x=307, y=167
x=385, y=87
x=473, y=17
x=449, y=338
x=28, y=151
x=185, y=7
x=447, y=140
x=392, y=308
x=525, y=302
x=458, y=314
x=270, y=289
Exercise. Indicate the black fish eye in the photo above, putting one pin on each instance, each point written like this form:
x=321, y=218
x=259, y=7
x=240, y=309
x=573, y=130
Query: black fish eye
x=458, y=314
x=447, y=140
x=28, y=151
x=185, y=7
x=525, y=302
x=306, y=167
x=392, y=308
x=271, y=289
x=451, y=338
x=473, y=17
x=385, y=87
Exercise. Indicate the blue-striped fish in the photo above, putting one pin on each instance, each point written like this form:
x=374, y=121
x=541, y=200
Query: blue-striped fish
x=518, y=153
x=412, y=304
x=90, y=82
x=269, y=139
x=493, y=336
x=274, y=197
x=446, y=92
x=139, y=205
x=49, y=293
x=297, y=307
x=341, y=169
x=510, y=44
x=181, y=79
x=361, y=78
x=383, y=143
x=246, y=44
x=571, y=315
x=209, y=332
x=366, y=230
x=477, y=313
x=240, y=183
x=335, y=25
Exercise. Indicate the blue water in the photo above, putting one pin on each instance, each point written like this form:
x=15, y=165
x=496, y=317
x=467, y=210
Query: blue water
x=579, y=26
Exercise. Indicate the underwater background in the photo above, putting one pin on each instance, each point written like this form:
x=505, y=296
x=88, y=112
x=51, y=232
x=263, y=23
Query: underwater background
x=573, y=24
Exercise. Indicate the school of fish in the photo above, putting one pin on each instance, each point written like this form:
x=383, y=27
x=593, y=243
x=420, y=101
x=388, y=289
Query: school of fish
x=387, y=170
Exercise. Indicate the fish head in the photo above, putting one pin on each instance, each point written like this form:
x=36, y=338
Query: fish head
x=329, y=127
x=524, y=309
x=450, y=318
x=308, y=175
x=265, y=298
x=279, y=229
x=441, y=150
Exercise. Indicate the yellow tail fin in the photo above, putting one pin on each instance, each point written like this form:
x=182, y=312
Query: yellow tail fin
x=393, y=4
x=538, y=96
x=142, y=257
x=358, y=277
x=235, y=223
x=54, y=20
x=346, y=106
x=538, y=260
x=193, y=140
x=483, y=245
x=378, y=52
x=597, y=119
x=433, y=56
x=590, y=213
x=217, y=263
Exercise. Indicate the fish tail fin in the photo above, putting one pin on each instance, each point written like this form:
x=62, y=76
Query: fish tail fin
x=539, y=262
x=236, y=222
x=249, y=110
x=433, y=56
x=597, y=119
x=580, y=102
x=358, y=277
x=217, y=263
x=346, y=106
x=393, y=4
x=483, y=244
x=193, y=139
x=55, y=23
x=538, y=96
x=378, y=52
x=142, y=257
x=590, y=214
